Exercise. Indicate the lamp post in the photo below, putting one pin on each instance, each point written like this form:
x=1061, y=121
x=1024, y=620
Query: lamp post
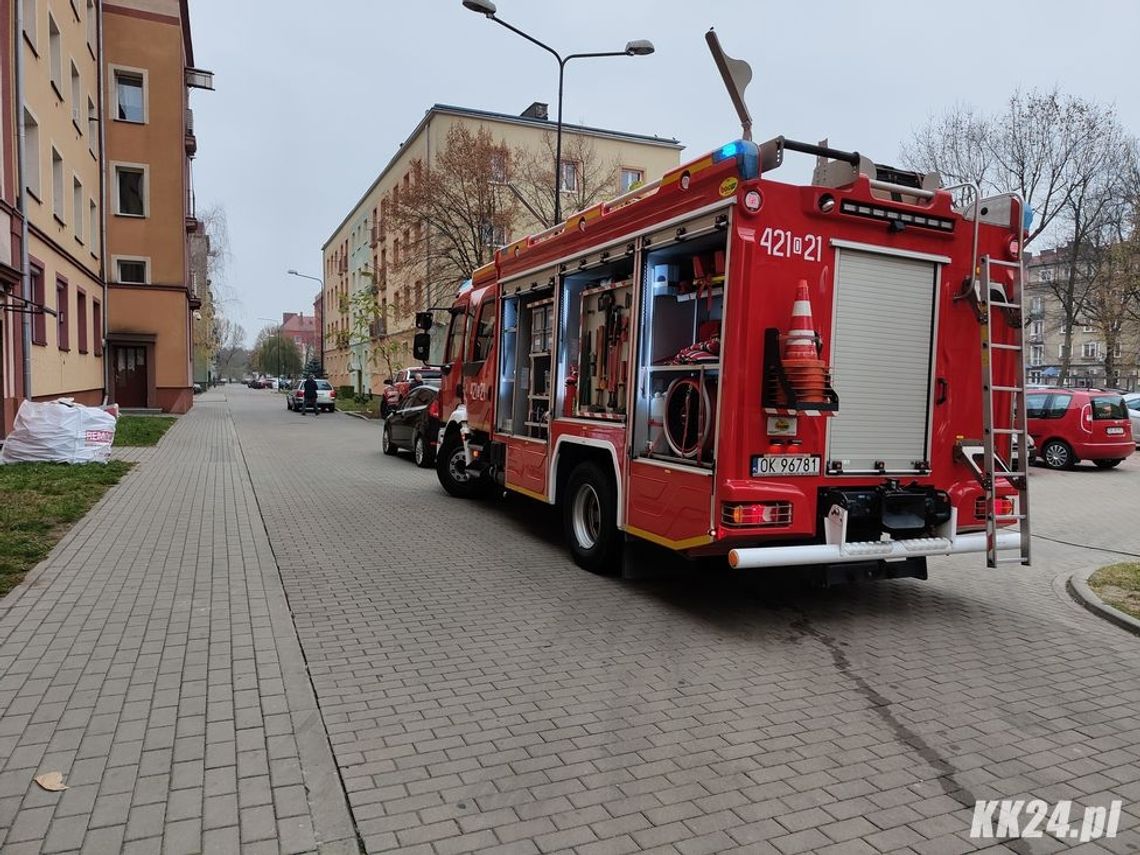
x=321, y=330
x=638, y=47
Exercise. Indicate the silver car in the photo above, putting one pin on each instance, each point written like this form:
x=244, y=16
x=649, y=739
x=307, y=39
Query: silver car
x=326, y=397
x=1132, y=401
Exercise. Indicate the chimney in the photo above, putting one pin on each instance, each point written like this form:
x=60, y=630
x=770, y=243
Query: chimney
x=537, y=110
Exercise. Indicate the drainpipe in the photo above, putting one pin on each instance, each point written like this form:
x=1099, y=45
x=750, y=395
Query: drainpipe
x=103, y=243
x=22, y=201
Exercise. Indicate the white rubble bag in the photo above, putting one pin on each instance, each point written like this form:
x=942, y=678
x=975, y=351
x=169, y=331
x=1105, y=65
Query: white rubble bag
x=60, y=432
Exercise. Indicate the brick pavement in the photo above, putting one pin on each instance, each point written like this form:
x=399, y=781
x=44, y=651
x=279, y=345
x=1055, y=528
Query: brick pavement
x=151, y=659
x=483, y=694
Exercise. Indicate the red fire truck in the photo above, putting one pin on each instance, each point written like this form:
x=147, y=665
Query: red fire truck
x=722, y=364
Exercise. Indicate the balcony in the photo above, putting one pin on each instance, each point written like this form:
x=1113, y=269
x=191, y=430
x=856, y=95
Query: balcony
x=191, y=140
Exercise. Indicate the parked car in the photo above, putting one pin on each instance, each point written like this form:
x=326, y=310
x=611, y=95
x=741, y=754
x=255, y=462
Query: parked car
x=326, y=397
x=1070, y=425
x=397, y=386
x=1132, y=401
x=413, y=425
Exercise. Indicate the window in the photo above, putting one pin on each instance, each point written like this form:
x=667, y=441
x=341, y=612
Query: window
x=1116, y=351
x=1058, y=404
x=76, y=99
x=77, y=207
x=94, y=220
x=630, y=178
x=1035, y=406
x=1038, y=329
x=1036, y=305
x=56, y=48
x=493, y=236
x=130, y=191
x=32, y=153
x=484, y=332
x=92, y=26
x=1036, y=354
x=568, y=177
x=129, y=100
x=31, y=23
x=131, y=271
x=1090, y=350
x=1062, y=351
x=57, y=185
x=1046, y=274
x=81, y=319
x=92, y=126
x=455, y=337
x=1105, y=407
x=1087, y=327
x=498, y=168
x=63, y=338
x=39, y=297
x=97, y=326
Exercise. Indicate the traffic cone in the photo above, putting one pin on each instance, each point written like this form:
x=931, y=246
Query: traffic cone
x=802, y=365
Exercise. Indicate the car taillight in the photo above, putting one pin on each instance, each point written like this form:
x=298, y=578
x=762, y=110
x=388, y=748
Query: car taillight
x=299, y=394
x=753, y=514
x=332, y=393
x=433, y=409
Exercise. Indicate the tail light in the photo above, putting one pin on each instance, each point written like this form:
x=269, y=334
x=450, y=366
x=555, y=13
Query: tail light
x=332, y=393
x=298, y=394
x=433, y=408
x=1003, y=507
x=756, y=514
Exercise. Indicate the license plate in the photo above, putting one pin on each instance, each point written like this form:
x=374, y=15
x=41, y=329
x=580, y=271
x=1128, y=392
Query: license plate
x=784, y=464
x=1115, y=431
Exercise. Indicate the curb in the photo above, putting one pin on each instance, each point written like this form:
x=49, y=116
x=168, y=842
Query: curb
x=360, y=416
x=1078, y=589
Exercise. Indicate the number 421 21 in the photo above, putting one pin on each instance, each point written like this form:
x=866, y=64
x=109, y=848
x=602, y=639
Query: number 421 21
x=785, y=244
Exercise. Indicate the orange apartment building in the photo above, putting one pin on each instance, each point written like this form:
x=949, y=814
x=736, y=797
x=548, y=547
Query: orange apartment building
x=149, y=70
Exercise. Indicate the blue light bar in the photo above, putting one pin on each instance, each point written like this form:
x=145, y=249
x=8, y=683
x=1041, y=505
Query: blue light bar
x=747, y=157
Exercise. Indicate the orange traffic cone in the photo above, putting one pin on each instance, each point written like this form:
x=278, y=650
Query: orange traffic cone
x=805, y=370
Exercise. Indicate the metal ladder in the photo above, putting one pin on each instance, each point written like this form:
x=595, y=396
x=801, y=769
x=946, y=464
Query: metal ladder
x=993, y=466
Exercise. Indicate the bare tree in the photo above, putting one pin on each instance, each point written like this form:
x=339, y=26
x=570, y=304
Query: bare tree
x=456, y=210
x=593, y=179
x=1064, y=155
x=230, y=336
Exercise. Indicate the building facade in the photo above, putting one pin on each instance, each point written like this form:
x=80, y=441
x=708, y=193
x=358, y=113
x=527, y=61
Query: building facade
x=150, y=140
x=62, y=176
x=367, y=259
x=301, y=329
x=1045, y=335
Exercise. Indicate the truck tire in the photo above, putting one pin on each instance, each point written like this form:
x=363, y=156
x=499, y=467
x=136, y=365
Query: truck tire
x=589, y=519
x=386, y=444
x=451, y=469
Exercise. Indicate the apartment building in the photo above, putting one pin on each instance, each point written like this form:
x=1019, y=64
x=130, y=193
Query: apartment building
x=150, y=141
x=62, y=180
x=366, y=259
x=301, y=329
x=1045, y=334
x=12, y=301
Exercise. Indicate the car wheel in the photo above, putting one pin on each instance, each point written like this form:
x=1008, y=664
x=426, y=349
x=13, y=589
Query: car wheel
x=589, y=519
x=421, y=452
x=1057, y=454
x=451, y=469
x=386, y=444
x=1109, y=464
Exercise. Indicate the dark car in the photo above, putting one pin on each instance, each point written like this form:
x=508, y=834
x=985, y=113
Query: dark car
x=397, y=386
x=414, y=426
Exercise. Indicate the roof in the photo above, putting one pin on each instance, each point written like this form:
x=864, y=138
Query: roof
x=505, y=118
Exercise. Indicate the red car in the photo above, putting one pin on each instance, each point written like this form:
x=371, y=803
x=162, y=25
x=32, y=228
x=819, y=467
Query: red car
x=396, y=387
x=1070, y=425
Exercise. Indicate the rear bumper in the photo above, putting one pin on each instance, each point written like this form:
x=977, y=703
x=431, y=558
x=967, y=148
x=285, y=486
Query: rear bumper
x=1107, y=450
x=890, y=550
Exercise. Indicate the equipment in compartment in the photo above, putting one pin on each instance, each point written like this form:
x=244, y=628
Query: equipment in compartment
x=604, y=356
x=541, y=340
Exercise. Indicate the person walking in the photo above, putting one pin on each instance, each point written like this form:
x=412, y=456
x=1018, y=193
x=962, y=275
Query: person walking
x=310, y=387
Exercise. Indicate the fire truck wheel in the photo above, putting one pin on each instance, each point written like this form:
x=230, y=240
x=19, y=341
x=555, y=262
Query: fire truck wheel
x=451, y=468
x=589, y=518
x=1057, y=454
x=386, y=444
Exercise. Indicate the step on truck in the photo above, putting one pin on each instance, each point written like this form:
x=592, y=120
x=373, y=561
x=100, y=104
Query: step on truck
x=827, y=375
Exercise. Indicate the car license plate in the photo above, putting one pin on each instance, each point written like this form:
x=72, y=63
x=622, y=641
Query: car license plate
x=1115, y=431
x=784, y=464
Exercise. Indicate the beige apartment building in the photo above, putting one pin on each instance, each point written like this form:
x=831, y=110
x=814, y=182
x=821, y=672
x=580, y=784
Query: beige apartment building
x=149, y=61
x=64, y=191
x=366, y=254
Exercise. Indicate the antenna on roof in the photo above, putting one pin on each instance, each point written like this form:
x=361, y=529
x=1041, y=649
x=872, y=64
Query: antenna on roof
x=737, y=74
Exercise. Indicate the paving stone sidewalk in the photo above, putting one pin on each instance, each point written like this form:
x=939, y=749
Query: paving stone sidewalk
x=152, y=660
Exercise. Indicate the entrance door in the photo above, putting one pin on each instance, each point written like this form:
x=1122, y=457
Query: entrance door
x=130, y=375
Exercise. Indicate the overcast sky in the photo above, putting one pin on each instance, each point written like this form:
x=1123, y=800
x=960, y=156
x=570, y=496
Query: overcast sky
x=313, y=98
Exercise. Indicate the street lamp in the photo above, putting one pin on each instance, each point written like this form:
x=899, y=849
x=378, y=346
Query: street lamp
x=637, y=47
x=321, y=330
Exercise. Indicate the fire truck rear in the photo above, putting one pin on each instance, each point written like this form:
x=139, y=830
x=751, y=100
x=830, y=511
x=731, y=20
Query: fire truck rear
x=827, y=375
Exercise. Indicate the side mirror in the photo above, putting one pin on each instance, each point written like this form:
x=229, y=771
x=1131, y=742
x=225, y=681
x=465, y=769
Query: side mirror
x=423, y=320
x=421, y=344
